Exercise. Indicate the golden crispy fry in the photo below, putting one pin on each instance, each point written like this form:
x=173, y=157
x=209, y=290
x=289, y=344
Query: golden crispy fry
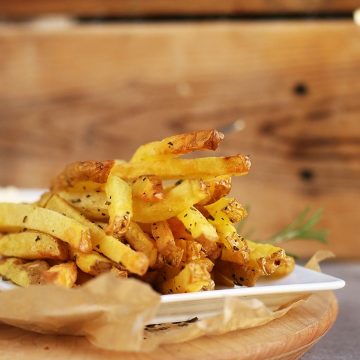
x=228, y=206
x=217, y=188
x=197, y=225
x=185, y=168
x=94, y=171
x=201, y=230
x=23, y=216
x=111, y=247
x=176, y=200
x=91, y=204
x=235, y=247
x=166, y=244
x=193, y=277
x=286, y=267
x=22, y=273
x=179, y=144
x=83, y=186
x=265, y=256
x=93, y=263
x=64, y=275
x=191, y=250
x=148, y=188
x=141, y=242
x=237, y=273
x=119, y=196
x=33, y=245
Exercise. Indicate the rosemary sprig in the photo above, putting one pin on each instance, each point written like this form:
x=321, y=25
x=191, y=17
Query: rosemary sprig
x=301, y=228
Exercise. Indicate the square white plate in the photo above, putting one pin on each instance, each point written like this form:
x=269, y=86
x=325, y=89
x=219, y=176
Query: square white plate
x=182, y=307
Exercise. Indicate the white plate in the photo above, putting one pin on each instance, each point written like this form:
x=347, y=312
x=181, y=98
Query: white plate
x=182, y=307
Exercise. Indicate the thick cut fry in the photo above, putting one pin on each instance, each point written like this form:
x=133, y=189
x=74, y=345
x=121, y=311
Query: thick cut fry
x=185, y=168
x=235, y=247
x=84, y=186
x=33, y=245
x=286, y=267
x=142, y=242
x=228, y=206
x=194, y=277
x=176, y=200
x=94, y=171
x=239, y=274
x=179, y=144
x=191, y=250
x=111, y=247
x=197, y=225
x=22, y=216
x=22, y=273
x=93, y=263
x=119, y=196
x=166, y=244
x=217, y=188
x=91, y=204
x=62, y=275
x=148, y=188
x=266, y=257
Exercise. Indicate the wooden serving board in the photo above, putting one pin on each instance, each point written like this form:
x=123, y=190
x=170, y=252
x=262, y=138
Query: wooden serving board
x=286, y=338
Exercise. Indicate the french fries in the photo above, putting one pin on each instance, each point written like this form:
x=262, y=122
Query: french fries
x=163, y=219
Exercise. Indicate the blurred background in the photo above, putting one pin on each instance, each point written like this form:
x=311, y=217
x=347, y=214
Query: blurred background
x=95, y=79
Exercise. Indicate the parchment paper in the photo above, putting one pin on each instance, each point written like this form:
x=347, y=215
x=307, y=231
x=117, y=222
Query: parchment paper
x=112, y=313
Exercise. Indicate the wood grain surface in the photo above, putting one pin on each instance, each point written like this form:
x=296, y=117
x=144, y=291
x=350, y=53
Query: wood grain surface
x=286, y=338
x=287, y=93
x=126, y=8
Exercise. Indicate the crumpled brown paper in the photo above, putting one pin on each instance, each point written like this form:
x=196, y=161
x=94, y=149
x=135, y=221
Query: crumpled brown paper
x=113, y=313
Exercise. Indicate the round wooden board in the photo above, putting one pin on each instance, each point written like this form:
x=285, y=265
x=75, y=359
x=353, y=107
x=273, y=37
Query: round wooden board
x=286, y=338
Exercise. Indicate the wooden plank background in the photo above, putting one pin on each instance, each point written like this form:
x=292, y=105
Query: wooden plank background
x=97, y=92
x=127, y=8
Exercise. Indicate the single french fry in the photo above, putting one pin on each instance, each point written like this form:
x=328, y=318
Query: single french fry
x=218, y=187
x=111, y=247
x=148, y=188
x=228, y=206
x=165, y=243
x=235, y=247
x=193, y=277
x=33, y=245
x=120, y=209
x=43, y=199
x=94, y=171
x=142, y=242
x=192, y=250
x=176, y=200
x=23, y=273
x=91, y=204
x=179, y=144
x=286, y=267
x=24, y=216
x=64, y=275
x=93, y=263
x=184, y=168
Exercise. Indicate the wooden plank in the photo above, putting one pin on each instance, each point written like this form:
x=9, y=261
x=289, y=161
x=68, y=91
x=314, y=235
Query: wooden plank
x=91, y=92
x=287, y=338
x=22, y=8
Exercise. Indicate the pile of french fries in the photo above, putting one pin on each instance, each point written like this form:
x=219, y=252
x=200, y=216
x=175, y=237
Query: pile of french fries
x=160, y=218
